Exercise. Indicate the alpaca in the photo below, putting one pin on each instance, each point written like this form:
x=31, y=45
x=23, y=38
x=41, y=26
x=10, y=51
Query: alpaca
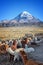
x=26, y=61
x=3, y=48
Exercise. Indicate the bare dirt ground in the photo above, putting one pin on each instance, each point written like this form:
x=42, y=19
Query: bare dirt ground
x=37, y=56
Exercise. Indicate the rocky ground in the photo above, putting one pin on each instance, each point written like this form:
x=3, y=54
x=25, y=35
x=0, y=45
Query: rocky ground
x=37, y=56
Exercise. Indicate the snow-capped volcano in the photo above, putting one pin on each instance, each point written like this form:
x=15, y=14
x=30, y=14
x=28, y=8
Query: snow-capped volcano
x=23, y=19
x=26, y=17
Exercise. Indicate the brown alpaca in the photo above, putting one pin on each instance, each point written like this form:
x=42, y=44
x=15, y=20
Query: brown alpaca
x=25, y=41
x=3, y=48
x=26, y=61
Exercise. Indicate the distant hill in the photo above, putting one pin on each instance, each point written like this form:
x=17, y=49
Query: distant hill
x=23, y=19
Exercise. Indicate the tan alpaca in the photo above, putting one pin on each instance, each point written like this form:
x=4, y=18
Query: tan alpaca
x=26, y=61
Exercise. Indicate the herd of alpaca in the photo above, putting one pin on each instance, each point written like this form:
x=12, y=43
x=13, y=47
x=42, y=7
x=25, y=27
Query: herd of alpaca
x=3, y=48
x=26, y=61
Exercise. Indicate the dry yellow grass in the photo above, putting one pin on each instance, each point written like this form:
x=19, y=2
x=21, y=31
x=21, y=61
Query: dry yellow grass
x=17, y=32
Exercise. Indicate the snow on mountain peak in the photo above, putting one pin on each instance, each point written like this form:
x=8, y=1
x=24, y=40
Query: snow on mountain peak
x=26, y=14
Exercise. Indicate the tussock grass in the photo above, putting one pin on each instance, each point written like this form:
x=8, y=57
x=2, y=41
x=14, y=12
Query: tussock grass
x=18, y=32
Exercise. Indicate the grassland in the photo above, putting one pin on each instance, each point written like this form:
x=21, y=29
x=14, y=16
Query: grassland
x=17, y=32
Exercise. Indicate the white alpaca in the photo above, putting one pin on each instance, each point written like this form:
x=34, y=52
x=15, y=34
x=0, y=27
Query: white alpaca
x=28, y=50
x=19, y=43
x=15, y=53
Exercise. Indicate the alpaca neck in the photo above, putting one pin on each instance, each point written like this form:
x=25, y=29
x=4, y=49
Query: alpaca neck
x=24, y=57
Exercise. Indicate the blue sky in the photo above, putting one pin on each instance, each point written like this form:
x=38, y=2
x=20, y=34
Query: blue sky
x=11, y=8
